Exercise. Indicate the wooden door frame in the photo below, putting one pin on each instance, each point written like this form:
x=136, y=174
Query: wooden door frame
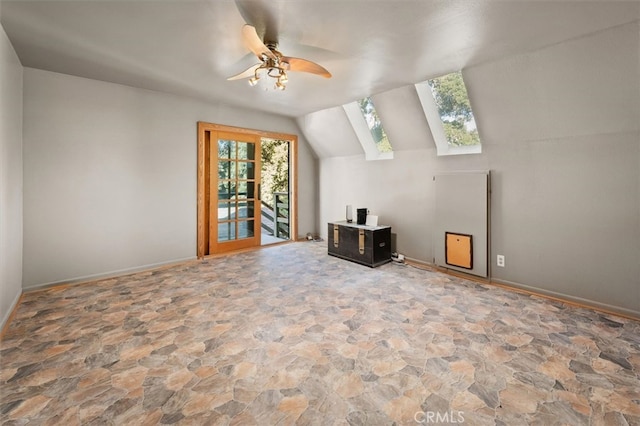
x=204, y=171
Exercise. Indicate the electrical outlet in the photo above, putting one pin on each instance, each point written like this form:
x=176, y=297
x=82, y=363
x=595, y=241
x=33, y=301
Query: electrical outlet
x=500, y=260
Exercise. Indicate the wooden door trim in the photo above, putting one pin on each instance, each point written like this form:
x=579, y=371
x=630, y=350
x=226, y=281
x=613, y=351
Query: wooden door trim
x=204, y=171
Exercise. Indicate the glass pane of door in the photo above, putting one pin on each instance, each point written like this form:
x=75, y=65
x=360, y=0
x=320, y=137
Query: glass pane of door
x=245, y=229
x=226, y=148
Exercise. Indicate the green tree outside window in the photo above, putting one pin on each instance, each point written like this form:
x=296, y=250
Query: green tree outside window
x=455, y=111
x=375, y=125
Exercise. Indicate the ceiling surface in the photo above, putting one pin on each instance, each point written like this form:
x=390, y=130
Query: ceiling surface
x=191, y=47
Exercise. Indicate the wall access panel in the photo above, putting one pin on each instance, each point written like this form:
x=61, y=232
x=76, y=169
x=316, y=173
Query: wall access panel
x=462, y=209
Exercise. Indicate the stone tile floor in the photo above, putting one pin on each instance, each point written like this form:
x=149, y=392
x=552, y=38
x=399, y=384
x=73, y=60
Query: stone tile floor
x=288, y=335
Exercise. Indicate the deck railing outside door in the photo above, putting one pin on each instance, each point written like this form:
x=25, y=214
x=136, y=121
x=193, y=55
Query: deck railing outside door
x=275, y=219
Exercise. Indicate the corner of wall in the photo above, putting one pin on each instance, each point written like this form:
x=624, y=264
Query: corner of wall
x=11, y=218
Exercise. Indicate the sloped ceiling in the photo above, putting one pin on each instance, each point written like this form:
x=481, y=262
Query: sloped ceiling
x=403, y=118
x=371, y=47
x=330, y=133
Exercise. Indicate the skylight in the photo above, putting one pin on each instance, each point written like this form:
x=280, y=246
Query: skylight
x=369, y=130
x=449, y=114
x=375, y=125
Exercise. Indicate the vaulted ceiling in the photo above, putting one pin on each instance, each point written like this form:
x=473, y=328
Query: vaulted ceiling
x=191, y=47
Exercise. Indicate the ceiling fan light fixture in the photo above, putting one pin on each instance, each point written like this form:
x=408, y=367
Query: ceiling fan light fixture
x=272, y=63
x=254, y=80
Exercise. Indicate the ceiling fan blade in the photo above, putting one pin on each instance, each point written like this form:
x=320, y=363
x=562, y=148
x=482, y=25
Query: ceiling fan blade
x=302, y=65
x=249, y=72
x=262, y=15
x=254, y=43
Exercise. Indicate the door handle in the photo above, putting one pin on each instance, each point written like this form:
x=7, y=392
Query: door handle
x=259, y=195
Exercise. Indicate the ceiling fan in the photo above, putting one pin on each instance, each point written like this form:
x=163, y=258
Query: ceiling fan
x=272, y=63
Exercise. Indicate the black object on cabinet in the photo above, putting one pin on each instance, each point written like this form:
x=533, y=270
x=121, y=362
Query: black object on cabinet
x=367, y=245
x=362, y=216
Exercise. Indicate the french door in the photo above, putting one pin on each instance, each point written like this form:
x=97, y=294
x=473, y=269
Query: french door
x=234, y=202
x=229, y=176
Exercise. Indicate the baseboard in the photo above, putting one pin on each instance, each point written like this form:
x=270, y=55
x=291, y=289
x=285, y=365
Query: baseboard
x=571, y=300
x=111, y=274
x=534, y=291
x=421, y=264
x=137, y=269
x=11, y=312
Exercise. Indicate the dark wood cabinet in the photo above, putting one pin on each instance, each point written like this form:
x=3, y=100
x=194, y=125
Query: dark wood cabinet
x=367, y=245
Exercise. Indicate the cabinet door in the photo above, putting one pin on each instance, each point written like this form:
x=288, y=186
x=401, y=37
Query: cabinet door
x=382, y=245
x=357, y=244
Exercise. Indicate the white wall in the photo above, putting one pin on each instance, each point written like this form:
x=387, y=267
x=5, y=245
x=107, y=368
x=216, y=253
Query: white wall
x=10, y=177
x=110, y=175
x=561, y=134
